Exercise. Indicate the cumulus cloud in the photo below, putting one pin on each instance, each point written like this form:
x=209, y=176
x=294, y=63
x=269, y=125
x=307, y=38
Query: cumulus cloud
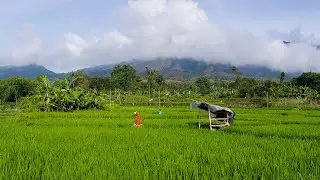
x=173, y=28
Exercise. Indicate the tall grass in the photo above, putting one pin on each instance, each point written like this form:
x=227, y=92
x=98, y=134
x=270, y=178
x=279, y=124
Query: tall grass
x=278, y=144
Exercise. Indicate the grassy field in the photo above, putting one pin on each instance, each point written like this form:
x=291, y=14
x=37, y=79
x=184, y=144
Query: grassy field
x=278, y=144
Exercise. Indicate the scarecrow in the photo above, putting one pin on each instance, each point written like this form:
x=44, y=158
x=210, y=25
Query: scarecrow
x=137, y=121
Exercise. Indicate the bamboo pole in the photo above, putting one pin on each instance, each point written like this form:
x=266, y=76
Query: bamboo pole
x=110, y=97
x=267, y=101
x=209, y=117
x=199, y=119
x=159, y=99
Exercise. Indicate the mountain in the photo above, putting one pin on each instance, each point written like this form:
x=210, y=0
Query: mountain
x=264, y=72
x=29, y=71
x=185, y=68
x=169, y=68
x=172, y=68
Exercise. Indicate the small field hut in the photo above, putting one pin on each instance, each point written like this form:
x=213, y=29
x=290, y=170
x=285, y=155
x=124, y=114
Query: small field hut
x=219, y=117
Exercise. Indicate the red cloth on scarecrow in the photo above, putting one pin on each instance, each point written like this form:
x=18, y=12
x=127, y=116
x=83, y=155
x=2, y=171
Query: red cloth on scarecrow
x=137, y=121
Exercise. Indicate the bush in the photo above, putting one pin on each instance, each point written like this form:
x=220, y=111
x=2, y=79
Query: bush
x=30, y=104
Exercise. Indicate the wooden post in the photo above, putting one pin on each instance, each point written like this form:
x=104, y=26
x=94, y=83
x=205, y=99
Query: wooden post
x=149, y=93
x=159, y=99
x=267, y=100
x=149, y=84
x=119, y=97
x=199, y=119
x=110, y=97
x=209, y=117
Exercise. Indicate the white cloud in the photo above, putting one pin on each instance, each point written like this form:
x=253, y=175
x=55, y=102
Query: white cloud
x=75, y=44
x=24, y=48
x=173, y=28
x=27, y=43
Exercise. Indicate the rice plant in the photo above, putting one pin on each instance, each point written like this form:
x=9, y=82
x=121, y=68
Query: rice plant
x=273, y=144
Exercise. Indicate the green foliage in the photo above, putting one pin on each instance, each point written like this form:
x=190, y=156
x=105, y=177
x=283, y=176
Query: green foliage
x=203, y=84
x=155, y=79
x=309, y=79
x=12, y=89
x=65, y=95
x=282, y=76
x=30, y=103
x=222, y=92
x=236, y=71
x=79, y=79
x=100, y=83
x=124, y=77
x=78, y=91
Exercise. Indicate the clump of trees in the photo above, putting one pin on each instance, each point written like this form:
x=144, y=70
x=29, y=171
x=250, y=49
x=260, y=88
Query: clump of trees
x=12, y=89
x=309, y=79
x=70, y=93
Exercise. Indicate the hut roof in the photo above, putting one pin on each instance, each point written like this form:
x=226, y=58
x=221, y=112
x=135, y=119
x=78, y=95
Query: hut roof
x=215, y=110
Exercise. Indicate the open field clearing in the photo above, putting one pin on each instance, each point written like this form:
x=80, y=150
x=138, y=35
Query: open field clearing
x=278, y=144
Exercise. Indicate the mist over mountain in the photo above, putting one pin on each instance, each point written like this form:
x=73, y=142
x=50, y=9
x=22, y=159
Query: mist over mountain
x=170, y=68
x=186, y=68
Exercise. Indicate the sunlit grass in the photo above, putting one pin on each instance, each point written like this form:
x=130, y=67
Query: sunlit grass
x=273, y=144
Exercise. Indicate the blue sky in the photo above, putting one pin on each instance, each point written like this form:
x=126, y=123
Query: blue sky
x=69, y=30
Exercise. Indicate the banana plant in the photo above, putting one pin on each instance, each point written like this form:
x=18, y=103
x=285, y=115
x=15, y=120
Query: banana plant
x=45, y=88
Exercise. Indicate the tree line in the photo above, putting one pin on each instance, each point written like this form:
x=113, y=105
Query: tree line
x=79, y=91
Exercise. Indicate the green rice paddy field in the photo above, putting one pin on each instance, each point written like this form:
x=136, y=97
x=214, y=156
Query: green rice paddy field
x=278, y=144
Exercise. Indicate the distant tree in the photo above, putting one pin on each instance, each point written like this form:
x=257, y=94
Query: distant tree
x=203, y=83
x=12, y=89
x=79, y=79
x=236, y=71
x=124, y=77
x=100, y=83
x=193, y=87
x=309, y=79
x=175, y=86
x=154, y=79
x=282, y=76
x=159, y=80
x=246, y=86
x=269, y=87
